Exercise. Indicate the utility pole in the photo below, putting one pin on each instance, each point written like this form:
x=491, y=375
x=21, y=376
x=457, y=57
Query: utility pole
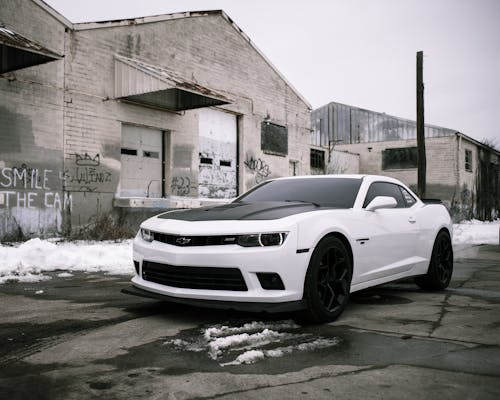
x=421, y=160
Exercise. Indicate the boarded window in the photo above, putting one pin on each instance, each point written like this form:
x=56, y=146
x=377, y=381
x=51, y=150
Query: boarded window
x=129, y=152
x=317, y=159
x=274, y=139
x=206, y=160
x=400, y=158
x=468, y=160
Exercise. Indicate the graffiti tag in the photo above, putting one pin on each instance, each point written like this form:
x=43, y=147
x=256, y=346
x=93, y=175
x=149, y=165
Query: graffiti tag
x=259, y=167
x=180, y=185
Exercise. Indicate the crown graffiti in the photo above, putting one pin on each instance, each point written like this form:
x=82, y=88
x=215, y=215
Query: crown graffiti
x=86, y=160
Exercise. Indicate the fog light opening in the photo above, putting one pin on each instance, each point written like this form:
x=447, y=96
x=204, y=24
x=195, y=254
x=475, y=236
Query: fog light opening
x=270, y=281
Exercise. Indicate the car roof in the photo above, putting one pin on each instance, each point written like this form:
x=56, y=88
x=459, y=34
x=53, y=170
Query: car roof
x=371, y=178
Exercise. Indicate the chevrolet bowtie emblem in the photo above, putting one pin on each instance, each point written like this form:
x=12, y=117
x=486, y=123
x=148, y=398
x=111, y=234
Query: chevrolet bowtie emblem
x=182, y=241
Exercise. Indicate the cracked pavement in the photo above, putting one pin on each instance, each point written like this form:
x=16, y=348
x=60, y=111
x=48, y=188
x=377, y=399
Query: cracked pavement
x=82, y=338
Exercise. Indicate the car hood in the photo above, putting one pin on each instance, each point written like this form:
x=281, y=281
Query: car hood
x=242, y=211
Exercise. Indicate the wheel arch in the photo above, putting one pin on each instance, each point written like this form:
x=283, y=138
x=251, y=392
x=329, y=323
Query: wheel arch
x=344, y=241
x=312, y=313
x=444, y=228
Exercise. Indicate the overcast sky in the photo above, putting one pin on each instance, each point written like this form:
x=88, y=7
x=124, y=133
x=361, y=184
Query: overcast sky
x=362, y=52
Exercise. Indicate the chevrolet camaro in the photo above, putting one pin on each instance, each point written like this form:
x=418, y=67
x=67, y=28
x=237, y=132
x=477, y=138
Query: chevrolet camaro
x=299, y=244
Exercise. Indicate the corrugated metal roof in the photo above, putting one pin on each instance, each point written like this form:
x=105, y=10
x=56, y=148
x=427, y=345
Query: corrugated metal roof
x=344, y=124
x=17, y=51
x=153, y=85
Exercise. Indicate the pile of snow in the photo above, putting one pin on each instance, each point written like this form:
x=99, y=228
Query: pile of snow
x=28, y=261
x=476, y=232
x=253, y=341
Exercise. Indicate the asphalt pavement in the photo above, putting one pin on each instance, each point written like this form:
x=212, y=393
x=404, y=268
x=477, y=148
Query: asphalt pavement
x=79, y=337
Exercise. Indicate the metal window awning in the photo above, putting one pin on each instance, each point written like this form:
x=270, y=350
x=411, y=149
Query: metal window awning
x=154, y=86
x=17, y=51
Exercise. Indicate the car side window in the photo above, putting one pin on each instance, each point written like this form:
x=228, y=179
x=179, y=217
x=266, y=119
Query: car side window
x=409, y=199
x=384, y=189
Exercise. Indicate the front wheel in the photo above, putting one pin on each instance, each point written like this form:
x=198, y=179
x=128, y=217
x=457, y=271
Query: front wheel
x=328, y=281
x=438, y=275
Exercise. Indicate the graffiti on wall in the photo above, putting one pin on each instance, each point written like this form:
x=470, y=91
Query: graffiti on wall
x=28, y=187
x=31, y=187
x=180, y=185
x=87, y=175
x=258, y=167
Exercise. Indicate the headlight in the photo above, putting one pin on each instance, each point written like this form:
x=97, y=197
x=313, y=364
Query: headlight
x=262, y=239
x=147, y=235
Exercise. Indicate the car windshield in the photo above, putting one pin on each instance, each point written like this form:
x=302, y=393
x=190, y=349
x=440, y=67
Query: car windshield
x=324, y=192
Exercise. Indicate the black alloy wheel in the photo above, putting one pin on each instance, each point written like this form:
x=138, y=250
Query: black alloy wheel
x=440, y=270
x=328, y=281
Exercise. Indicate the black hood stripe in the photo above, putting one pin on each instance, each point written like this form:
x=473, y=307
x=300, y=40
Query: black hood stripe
x=243, y=211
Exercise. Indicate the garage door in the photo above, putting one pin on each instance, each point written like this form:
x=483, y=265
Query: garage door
x=217, y=146
x=141, y=159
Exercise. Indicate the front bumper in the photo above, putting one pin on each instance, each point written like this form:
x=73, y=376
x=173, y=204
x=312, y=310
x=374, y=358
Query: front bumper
x=282, y=260
x=225, y=305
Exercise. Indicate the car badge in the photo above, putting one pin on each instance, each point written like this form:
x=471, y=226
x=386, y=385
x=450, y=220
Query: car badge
x=182, y=241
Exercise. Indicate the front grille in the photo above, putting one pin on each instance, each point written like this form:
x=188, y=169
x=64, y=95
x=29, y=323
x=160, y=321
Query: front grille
x=194, y=277
x=178, y=240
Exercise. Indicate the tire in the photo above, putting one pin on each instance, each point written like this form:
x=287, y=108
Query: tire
x=328, y=281
x=440, y=269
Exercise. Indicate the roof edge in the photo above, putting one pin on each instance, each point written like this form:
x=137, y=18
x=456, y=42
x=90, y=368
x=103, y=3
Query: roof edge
x=245, y=36
x=477, y=142
x=189, y=14
x=44, y=6
x=82, y=26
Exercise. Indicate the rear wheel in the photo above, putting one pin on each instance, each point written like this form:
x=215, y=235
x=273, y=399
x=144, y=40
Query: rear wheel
x=328, y=281
x=438, y=275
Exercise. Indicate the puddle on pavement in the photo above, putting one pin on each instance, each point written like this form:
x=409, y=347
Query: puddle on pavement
x=278, y=347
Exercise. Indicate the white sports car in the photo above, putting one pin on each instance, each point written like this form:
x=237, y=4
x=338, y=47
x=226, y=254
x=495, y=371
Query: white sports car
x=299, y=243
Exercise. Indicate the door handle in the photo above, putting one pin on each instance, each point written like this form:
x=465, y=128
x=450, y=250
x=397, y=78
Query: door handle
x=412, y=220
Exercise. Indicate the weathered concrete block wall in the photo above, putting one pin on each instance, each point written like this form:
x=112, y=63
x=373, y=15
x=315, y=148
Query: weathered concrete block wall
x=441, y=155
x=31, y=129
x=343, y=162
x=206, y=49
x=61, y=126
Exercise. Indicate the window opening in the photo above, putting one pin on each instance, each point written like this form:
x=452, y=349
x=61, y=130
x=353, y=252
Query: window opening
x=317, y=159
x=129, y=152
x=468, y=160
x=151, y=154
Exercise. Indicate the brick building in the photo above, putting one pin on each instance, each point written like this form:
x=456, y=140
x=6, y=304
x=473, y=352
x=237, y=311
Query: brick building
x=460, y=170
x=135, y=116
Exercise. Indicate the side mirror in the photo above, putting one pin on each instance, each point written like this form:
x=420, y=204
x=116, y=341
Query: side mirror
x=381, y=202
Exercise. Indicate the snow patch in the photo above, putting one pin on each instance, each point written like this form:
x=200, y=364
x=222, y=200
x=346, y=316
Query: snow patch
x=253, y=341
x=252, y=356
x=476, y=232
x=28, y=261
